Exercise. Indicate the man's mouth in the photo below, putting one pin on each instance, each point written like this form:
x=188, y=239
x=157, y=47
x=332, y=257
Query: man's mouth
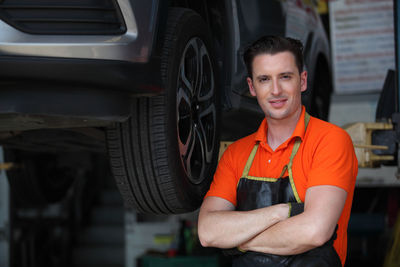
x=277, y=103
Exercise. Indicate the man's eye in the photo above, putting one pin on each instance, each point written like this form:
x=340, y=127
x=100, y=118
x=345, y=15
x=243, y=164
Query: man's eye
x=286, y=77
x=264, y=79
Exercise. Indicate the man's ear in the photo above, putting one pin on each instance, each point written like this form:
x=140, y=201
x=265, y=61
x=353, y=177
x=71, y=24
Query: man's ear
x=303, y=81
x=251, y=88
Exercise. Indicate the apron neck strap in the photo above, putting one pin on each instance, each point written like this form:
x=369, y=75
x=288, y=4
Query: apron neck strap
x=294, y=151
x=249, y=161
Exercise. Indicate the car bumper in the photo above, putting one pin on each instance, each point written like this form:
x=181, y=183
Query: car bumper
x=62, y=81
x=134, y=45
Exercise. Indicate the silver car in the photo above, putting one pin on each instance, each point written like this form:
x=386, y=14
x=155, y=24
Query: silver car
x=156, y=84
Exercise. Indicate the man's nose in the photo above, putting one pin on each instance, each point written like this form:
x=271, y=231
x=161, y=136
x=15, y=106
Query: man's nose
x=276, y=88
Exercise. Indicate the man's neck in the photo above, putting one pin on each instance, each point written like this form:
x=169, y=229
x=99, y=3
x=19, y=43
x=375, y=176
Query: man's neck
x=281, y=130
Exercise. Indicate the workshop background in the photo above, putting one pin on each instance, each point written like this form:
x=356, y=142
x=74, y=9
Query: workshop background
x=90, y=226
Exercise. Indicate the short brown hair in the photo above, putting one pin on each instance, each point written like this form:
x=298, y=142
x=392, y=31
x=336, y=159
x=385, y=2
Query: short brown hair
x=272, y=45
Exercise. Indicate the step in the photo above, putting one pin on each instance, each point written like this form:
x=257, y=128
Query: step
x=102, y=235
x=95, y=255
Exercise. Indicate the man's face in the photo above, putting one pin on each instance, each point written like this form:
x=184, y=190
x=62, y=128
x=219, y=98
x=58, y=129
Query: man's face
x=277, y=84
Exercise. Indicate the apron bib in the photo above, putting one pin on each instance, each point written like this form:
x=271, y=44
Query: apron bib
x=259, y=192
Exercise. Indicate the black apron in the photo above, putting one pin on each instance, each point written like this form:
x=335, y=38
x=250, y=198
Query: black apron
x=259, y=192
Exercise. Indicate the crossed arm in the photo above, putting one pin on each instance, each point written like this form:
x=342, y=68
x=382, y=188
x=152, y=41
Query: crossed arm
x=269, y=230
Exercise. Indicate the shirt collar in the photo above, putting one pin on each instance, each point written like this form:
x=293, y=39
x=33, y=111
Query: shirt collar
x=299, y=131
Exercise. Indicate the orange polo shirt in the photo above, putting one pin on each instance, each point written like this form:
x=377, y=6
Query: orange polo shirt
x=325, y=157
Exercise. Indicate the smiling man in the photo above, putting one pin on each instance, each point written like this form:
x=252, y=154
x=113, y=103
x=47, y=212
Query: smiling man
x=282, y=196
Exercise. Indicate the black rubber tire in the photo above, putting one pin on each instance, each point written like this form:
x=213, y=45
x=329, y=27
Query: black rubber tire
x=144, y=151
x=321, y=93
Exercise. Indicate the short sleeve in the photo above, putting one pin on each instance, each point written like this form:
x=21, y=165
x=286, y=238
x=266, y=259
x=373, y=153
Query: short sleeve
x=225, y=181
x=334, y=161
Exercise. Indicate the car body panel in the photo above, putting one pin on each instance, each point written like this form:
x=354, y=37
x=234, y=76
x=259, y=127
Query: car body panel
x=118, y=67
x=133, y=46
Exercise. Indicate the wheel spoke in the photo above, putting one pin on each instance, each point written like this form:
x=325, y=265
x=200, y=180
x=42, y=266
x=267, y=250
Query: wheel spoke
x=187, y=156
x=189, y=67
x=184, y=120
x=208, y=122
x=207, y=83
x=184, y=81
x=195, y=158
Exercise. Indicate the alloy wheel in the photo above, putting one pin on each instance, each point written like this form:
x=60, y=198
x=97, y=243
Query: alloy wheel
x=195, y=109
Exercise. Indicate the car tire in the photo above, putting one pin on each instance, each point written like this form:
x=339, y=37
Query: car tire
x=321, y=93
x=163, y=158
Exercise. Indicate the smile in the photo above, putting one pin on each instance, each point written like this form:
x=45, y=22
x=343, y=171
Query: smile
x=277, y=102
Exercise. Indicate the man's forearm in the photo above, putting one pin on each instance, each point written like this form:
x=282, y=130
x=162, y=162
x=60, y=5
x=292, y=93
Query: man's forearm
x=227, y=229
x=308, y=230
x=289, y=237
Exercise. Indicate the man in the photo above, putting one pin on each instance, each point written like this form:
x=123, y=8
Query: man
x=291, y=159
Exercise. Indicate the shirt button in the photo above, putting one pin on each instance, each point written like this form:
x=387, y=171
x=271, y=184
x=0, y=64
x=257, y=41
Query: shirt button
x=269, y=161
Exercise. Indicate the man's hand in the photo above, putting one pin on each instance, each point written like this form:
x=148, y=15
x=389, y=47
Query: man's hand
x=223, y=227
x=310, y=229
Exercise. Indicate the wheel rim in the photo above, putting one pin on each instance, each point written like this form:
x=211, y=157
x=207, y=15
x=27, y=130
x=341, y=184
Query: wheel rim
x=196, y=111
